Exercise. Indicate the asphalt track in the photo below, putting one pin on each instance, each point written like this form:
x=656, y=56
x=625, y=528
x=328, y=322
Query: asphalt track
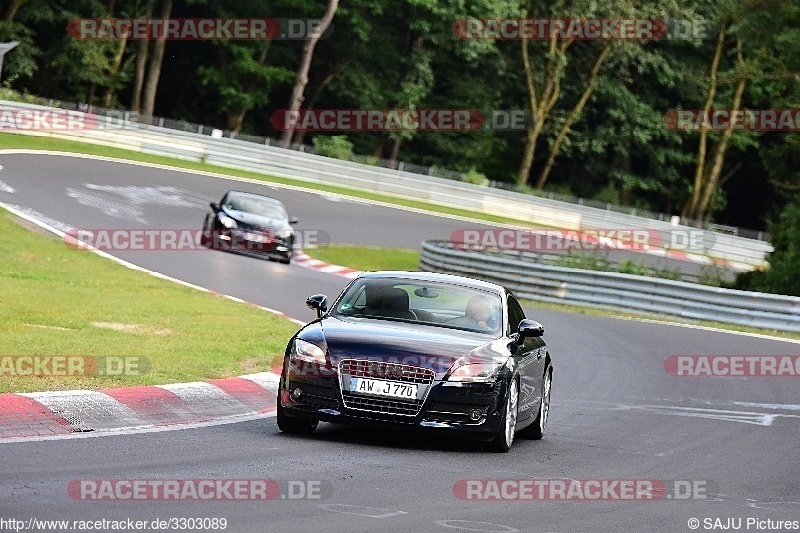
x=616, y=413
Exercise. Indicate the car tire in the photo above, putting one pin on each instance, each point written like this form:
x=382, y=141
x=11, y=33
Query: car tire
x=505, y=436
x=295, y=425
x=206, y=234
x=536, y=430
x=286, y=259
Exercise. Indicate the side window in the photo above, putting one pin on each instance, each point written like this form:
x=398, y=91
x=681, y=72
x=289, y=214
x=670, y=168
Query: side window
x=515, y=315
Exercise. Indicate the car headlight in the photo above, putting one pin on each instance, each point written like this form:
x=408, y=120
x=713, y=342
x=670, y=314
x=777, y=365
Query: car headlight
x=227, y=221
x=467, y=371
x=308, y=351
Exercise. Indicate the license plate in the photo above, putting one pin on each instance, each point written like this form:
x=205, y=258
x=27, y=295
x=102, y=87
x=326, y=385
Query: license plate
x=257, y=237
x=379, y=387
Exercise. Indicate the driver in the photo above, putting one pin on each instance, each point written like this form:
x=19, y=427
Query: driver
x=480, y=310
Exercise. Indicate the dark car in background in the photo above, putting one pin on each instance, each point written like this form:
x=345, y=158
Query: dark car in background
x=250, y=224
x=420, y=350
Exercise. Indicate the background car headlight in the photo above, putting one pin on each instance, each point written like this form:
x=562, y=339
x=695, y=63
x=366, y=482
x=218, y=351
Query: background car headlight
x=309, y=352
x=227, y=221
x=474, y=371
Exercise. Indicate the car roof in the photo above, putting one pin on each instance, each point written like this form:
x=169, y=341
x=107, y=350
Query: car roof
x=254, y=195
x=434, y=276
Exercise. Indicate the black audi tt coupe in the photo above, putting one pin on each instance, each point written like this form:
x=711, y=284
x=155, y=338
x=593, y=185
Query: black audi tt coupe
x=250, y=224
x=420, y=350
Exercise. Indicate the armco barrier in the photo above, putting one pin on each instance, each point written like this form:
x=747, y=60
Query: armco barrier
x=610, y=290
x=282, y=162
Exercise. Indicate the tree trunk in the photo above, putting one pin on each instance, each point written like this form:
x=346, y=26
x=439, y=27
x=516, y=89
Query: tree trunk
x=296, y=100
x=115, y=66
x=572, y=117
x=235, y=120
x=540, y=106
x=154, y=72
x=691, y=207
x=141, y=65
x=713, y=176
x=312, y=100
x=395, y=151
x=11, y=12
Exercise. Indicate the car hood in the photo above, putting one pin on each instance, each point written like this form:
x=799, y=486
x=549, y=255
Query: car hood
x=373, y=339
x=253, y=220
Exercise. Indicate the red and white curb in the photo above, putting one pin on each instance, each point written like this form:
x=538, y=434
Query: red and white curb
x=60, y=414
x=303, y=260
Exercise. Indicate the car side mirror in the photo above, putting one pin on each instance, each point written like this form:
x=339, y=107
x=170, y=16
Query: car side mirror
x=530, y=328
x=318, y=302
x=293, y=220
x=214, y=206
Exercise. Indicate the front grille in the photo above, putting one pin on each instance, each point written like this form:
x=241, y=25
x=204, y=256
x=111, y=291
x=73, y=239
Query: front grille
x=318, y=401
x=388, y=371
x=381, y=370
x=381, y=405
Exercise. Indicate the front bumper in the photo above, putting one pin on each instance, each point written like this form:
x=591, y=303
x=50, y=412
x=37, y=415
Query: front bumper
x=252, y=242
x=473, y=409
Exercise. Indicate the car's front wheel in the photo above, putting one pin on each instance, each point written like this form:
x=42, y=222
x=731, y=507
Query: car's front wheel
x=505, y=436
x=536, y=430
x=295, y=425
x=206, y=235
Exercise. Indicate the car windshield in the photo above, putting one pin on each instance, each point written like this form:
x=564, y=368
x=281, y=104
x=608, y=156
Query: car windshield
x=258, y=206
x=440, y=304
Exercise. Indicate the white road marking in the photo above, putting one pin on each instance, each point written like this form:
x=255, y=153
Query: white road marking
x=747, y=417
x=471, y=525
x=706, y=328
x=169, y=196
x=774, y=506
x=360, y=510
x=107, y=207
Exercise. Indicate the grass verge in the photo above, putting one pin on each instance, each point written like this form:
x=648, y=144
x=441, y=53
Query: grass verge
x=64, y=302
x=367, y=258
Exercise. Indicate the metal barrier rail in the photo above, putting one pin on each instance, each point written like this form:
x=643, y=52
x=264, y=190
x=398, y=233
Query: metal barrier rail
x=234, y=153
x=610, y=290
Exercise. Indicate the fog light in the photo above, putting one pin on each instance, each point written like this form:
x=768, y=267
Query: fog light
x=475, y=415
x=296, y=393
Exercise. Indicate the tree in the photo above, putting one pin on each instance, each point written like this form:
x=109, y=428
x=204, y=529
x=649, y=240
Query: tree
x=301, y=80
x=783, y=274
x=154, y=70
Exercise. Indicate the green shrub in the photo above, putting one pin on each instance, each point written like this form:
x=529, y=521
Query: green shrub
x=337, y=146
x=476, y=178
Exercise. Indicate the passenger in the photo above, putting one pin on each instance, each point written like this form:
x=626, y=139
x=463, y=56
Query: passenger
x=480, y=310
